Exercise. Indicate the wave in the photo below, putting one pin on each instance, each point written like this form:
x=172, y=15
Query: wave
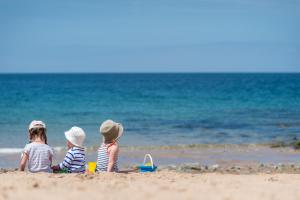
x=90, y=149
x=10, y=150
x=19, y=150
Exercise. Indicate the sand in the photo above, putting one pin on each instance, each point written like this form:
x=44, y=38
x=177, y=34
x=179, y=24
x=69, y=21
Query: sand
x=225, y=173
x=158, y=185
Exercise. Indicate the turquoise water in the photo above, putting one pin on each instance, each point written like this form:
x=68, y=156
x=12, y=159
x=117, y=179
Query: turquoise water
x=155, y=109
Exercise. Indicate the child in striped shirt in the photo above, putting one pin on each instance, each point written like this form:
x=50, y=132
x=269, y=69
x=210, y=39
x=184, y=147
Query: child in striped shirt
x=108, y=152
x=74, y=161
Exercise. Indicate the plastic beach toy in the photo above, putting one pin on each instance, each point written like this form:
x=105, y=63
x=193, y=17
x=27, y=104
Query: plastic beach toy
x=148, y=166
x=92, y=166
x=62, y=171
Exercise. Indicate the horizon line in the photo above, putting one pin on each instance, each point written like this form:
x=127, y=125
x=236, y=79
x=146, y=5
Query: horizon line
x=166, y=72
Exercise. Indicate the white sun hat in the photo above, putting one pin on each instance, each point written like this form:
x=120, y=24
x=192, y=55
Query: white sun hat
x=36, y=124
x=76, y=136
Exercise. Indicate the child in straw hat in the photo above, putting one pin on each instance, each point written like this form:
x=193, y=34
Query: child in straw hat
x=107, y=160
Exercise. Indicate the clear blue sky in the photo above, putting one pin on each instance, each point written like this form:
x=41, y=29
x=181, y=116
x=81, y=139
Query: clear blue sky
x=150, y=36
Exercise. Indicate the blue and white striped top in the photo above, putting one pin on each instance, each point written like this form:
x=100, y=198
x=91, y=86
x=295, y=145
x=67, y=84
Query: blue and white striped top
x=103, y=158
x=74, y=161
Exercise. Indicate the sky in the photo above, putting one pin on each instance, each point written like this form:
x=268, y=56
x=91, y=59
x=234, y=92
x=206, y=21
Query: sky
x=149, y=36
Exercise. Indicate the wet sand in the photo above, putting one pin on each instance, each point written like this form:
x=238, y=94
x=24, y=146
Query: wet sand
x=226, y=157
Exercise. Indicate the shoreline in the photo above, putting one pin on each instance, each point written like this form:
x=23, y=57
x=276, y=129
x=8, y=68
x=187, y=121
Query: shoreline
x=226, y=156
x=224, y=159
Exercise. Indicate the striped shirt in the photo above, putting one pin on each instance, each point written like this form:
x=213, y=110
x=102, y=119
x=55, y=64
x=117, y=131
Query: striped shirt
x=103, y=158
x=74, y=161
x=38, y=157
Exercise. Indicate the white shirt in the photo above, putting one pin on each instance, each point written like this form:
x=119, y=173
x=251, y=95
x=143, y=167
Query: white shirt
x=39, y=155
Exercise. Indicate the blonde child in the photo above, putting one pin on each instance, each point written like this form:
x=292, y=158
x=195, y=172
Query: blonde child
x=37, y=153
x=108, y=152
x=74, y=161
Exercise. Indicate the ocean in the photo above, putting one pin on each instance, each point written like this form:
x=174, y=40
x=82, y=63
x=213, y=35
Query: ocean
x=155, y=109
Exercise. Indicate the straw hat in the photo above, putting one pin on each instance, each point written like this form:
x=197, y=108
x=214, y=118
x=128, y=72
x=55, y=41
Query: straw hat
x=36, y=124
x=76, y=136
x=111, y=131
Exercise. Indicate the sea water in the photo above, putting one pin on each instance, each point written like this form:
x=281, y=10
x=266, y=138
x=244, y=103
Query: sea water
x=155, y=109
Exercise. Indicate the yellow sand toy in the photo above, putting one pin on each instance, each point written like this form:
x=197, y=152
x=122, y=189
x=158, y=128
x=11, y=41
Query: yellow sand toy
x=92, y=167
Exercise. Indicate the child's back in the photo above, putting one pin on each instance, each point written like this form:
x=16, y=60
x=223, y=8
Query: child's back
x=37, y=153
x=74, y=161
x=103, y=158
x=38, y=157
x=108, y=152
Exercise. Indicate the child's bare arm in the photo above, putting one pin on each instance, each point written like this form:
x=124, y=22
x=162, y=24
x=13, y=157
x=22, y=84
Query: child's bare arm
x=65, y=164
x=23, y=162
x=113, y=155
x=126, y=171
x=50, y=158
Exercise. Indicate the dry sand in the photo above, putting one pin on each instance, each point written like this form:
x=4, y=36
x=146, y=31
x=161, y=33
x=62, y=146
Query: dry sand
x=159, y=185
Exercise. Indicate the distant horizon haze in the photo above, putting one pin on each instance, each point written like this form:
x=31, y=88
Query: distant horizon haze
x=157, y=72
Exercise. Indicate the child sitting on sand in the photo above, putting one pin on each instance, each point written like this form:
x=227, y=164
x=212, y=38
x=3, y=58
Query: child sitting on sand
x=74, y=161
x=37, y=152
x=107, y=160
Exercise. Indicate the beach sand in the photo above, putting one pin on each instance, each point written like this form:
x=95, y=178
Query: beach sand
x=202, y=172
x=159, y=185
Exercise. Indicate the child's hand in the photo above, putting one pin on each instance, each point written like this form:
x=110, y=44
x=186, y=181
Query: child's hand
x=55, y=168
x=88, y=172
